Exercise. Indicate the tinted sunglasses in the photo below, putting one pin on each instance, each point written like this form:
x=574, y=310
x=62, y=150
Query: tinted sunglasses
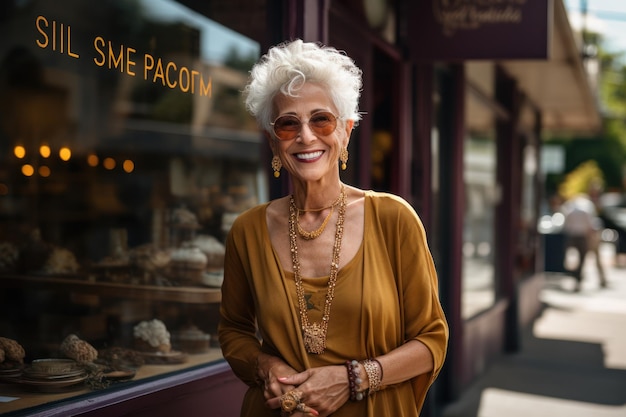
x=287, y=127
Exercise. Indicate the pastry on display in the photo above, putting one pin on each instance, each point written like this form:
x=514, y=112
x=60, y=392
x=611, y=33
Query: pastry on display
x=192, y=340
x=9, y=256
x=213, y=249
x=140, y=265
x=52, y=375
x=12, y=355
x=184, y=225
x=183, y=218
x=149, y=258
x=152, y=336
x=61, y=261
x=81, y=351
x=53, y=366
x=213, y=278
x=187, y=265
x=113, y=269
x=119, y=357
x=152, y=340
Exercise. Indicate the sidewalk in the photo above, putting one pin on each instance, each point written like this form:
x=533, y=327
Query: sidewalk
x=573, y=360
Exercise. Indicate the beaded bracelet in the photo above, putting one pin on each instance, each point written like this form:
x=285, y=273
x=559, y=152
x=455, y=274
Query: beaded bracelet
x=354, y=380
x=374, y=372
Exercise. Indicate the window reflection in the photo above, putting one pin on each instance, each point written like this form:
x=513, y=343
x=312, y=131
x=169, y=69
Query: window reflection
x=481, y=195
x=125, y=155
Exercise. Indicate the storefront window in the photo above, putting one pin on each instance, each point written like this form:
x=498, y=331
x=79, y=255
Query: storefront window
x=125, y=155
x=382, y=145
x=481, y=194
x=528, y=233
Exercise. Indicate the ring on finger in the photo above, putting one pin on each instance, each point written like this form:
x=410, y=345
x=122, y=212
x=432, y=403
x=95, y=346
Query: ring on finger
x=290, y=400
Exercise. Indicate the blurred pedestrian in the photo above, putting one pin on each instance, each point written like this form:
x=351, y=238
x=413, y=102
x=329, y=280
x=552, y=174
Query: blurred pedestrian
x=582, y=229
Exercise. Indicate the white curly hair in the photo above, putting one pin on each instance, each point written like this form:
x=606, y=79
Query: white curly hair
x=288, y=66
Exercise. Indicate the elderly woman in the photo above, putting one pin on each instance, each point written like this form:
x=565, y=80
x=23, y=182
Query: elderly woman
x=329, y=302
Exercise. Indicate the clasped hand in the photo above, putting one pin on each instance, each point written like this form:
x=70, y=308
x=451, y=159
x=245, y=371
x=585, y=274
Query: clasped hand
x=321, y=390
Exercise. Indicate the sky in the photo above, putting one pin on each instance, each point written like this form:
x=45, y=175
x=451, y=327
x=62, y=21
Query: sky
x=216, y=40
x=607, y=17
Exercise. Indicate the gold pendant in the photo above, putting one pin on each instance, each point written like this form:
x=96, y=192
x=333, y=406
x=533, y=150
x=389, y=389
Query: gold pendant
x=314, y=338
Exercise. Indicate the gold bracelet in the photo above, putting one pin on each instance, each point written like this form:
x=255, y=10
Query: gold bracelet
x=374, y=374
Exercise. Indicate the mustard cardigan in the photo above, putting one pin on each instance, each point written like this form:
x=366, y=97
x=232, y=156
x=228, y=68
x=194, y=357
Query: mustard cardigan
x=387, y=294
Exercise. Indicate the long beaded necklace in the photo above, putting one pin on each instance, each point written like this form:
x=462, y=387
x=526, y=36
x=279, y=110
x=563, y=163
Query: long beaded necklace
x=317, y=232
x=314, y=334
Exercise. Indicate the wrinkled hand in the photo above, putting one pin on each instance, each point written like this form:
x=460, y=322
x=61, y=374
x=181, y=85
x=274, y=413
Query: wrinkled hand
x=269, y=369
x=273, y=388
x=323, y=389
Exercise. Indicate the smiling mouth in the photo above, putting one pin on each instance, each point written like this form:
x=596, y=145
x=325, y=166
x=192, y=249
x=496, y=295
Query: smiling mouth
x=309, y=156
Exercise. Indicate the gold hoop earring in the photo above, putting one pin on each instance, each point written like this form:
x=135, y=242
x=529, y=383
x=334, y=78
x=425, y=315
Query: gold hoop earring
x=276, y=166
x=343, y=157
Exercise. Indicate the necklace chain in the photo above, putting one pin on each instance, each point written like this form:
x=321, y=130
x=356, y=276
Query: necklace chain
x=314, y=233
x=317, y=232
x=314, y=334
x=333, y=204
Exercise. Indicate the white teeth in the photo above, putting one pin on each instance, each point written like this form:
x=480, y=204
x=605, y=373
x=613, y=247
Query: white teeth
x=309, y=156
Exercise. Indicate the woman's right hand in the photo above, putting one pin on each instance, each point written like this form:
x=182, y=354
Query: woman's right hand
x=269, y=369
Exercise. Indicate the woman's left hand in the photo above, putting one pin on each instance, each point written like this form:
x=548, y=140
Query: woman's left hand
x=323, y=390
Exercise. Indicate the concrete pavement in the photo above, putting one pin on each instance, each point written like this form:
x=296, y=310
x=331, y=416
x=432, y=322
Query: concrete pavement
x=573, y=359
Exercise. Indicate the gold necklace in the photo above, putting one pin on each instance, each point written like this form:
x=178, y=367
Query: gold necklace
x=317, y=232
x=314, y=334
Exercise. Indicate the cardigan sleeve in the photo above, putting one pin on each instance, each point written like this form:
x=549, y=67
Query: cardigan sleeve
x=425, y=319
x=417, y=283
x=237, y=330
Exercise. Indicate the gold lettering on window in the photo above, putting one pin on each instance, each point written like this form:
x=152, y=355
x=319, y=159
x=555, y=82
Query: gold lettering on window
x=57, y=36
x=54, y=35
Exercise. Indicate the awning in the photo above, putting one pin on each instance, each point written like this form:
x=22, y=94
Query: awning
x=533, y=42
x=559, y=86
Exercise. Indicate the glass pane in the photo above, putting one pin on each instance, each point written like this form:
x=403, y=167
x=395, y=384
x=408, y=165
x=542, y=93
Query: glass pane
x=382, y=146
x=528, y=232
x=481, y=196
x=125, y=154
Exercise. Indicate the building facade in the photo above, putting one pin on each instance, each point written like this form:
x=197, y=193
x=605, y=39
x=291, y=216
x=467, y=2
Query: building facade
x=126, y=154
